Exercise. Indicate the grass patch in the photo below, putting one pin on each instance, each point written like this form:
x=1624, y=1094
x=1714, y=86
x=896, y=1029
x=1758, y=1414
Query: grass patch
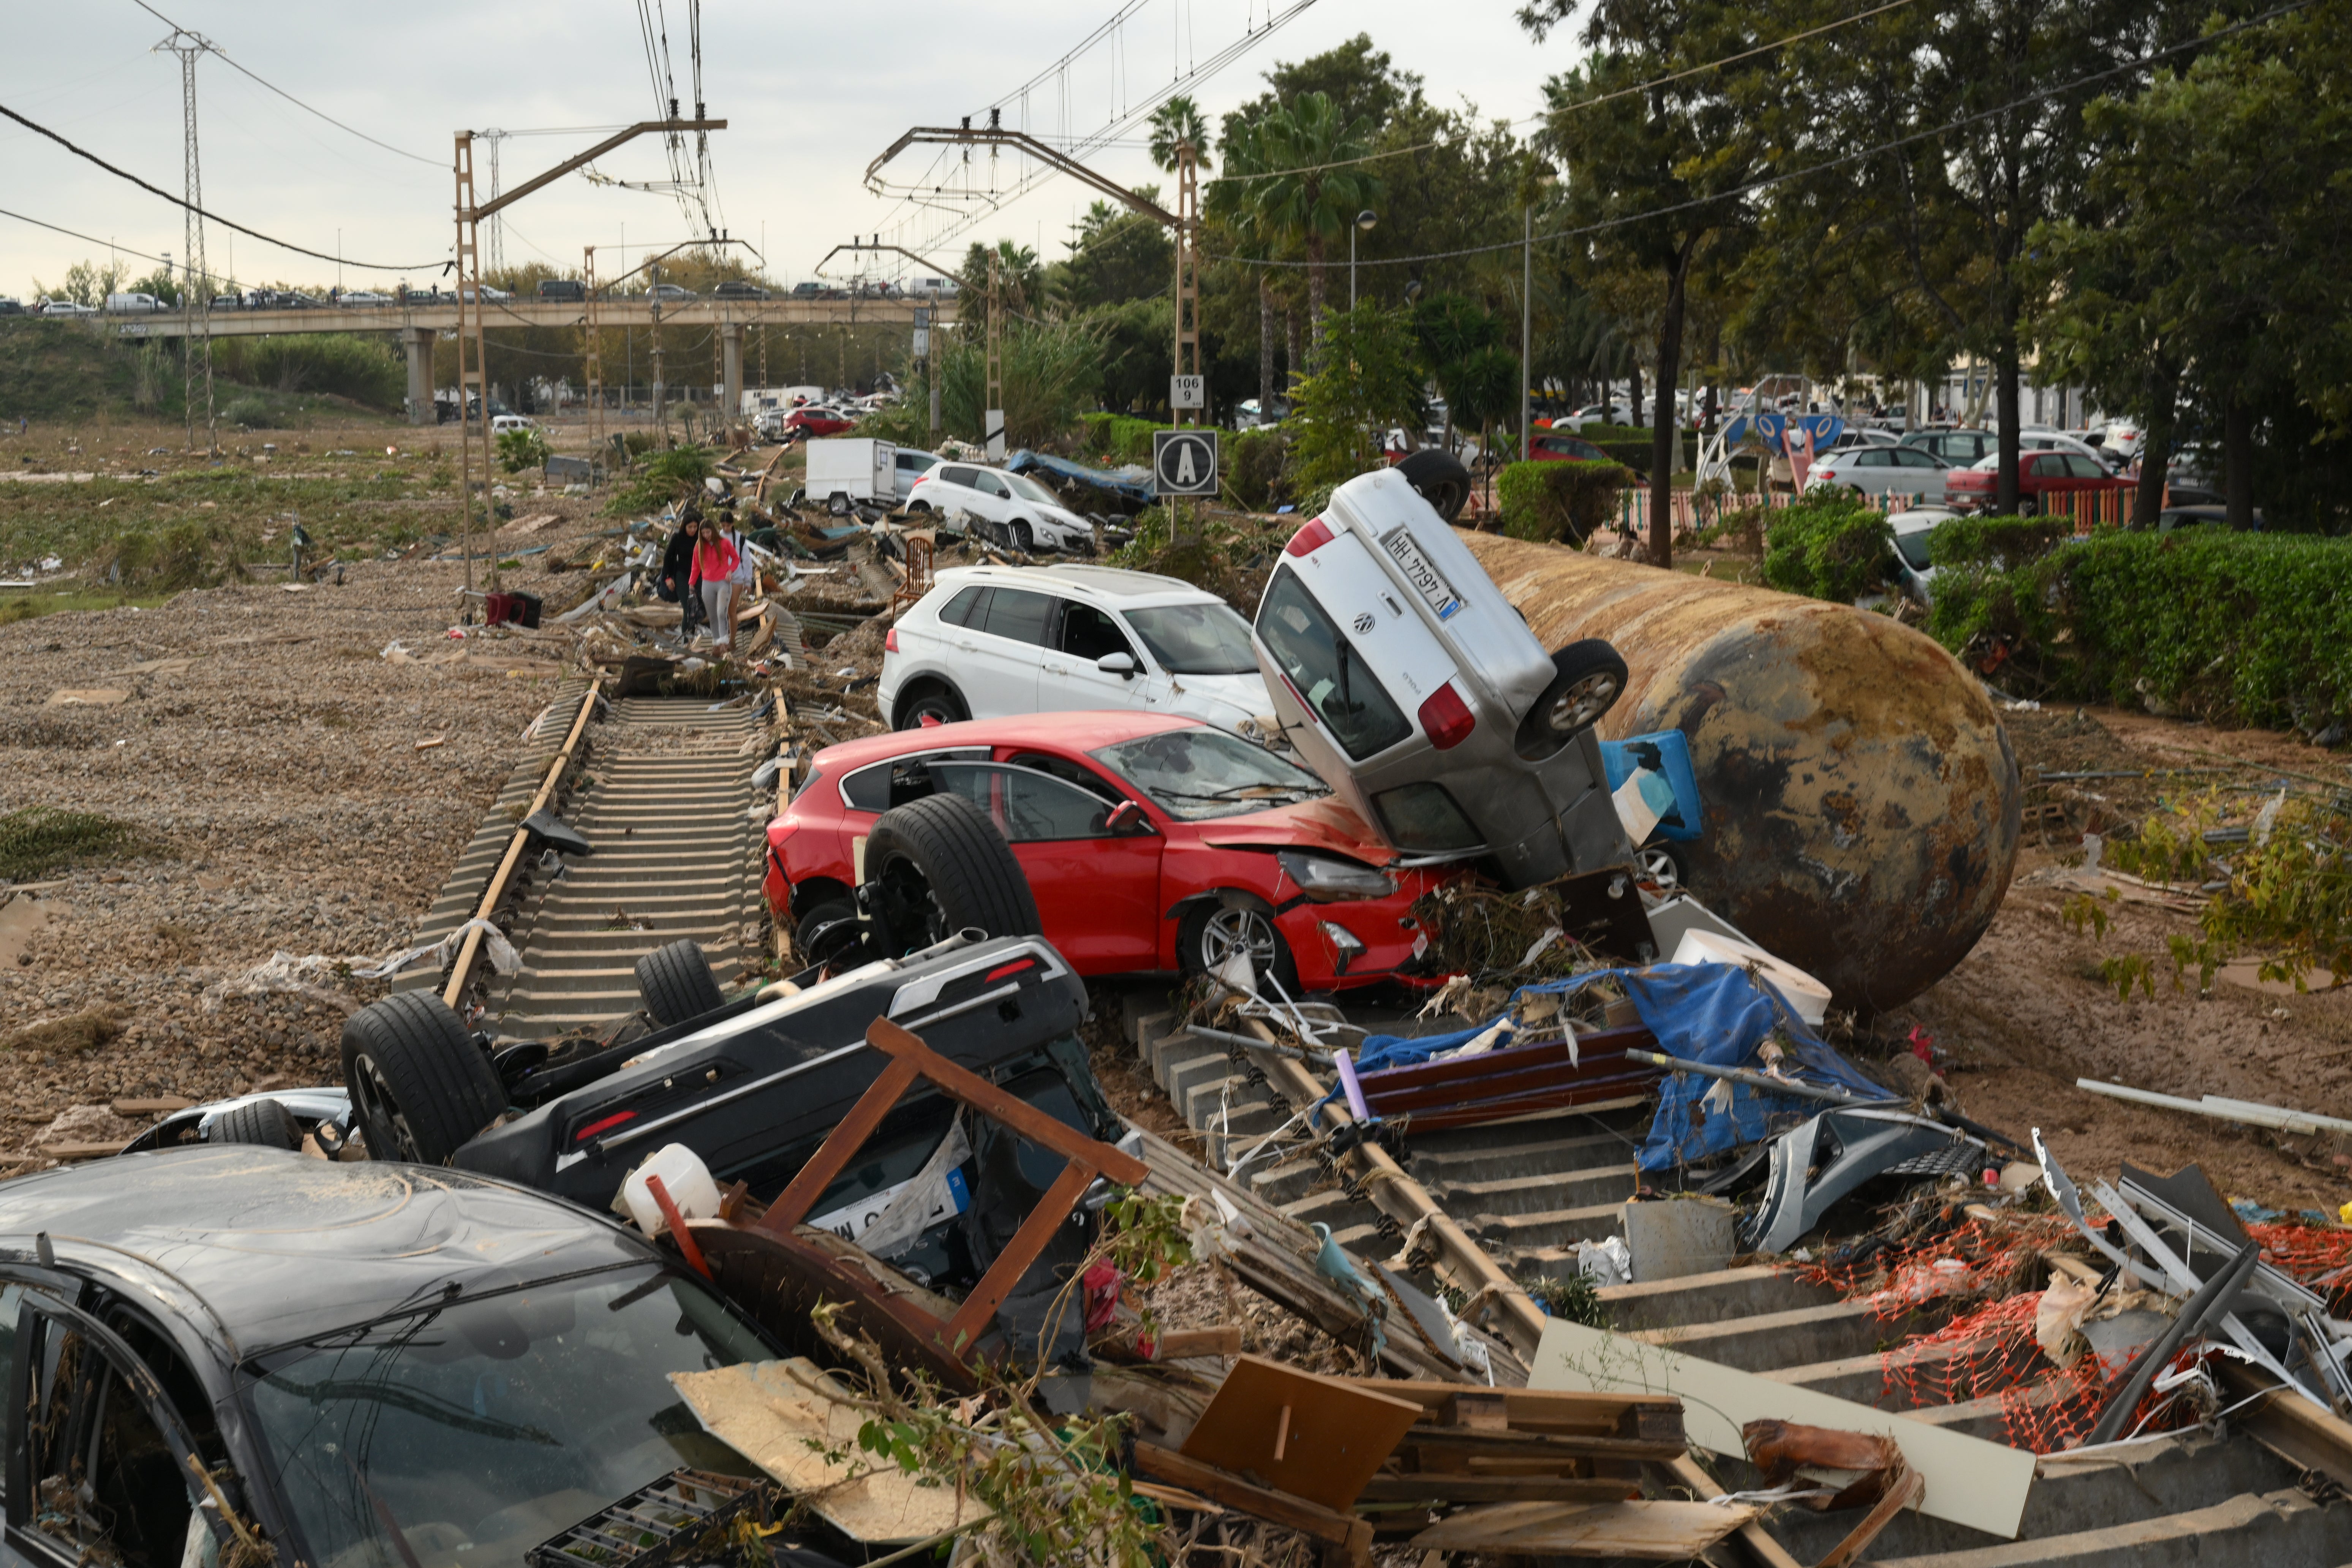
x=80, y=1032
x=28, y=606
x=38, y=839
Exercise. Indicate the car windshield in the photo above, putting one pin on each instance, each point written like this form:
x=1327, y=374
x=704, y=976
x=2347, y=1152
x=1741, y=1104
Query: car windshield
x=1913, y=546
x=1028, y=489
x=468, y=1436
x=1197, y=772
x=1196, y=639
x=1327, y=670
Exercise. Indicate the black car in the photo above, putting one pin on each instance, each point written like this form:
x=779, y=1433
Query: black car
x=372, y=1364
x=562, y=288
x=735, y=289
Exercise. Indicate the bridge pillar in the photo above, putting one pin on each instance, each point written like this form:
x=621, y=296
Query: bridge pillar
x=730, y=345
x=418, y=342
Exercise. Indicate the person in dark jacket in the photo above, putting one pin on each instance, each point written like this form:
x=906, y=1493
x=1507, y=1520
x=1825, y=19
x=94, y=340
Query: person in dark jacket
x=677, y=586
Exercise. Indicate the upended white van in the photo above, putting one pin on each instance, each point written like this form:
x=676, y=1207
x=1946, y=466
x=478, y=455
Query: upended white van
x=993, y=641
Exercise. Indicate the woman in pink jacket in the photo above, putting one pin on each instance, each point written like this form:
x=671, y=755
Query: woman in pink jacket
x=715, y=560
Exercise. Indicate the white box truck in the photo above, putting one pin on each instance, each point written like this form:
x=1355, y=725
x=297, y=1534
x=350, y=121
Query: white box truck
x=853, y=467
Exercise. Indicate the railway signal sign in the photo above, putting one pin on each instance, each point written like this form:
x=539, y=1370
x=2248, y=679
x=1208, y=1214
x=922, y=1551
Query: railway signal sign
x=1183, y=462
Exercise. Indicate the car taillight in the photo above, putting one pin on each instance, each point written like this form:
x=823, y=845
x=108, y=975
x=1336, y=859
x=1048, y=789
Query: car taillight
x=1308, y=540
x=890, y=640
x=1446, y=719
x=606, y=1125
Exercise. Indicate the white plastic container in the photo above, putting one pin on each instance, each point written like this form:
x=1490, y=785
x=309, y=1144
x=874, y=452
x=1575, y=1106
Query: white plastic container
x=684, y=1177
x=1807, y=997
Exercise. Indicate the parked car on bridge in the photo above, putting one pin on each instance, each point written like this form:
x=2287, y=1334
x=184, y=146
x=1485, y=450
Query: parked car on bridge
x=2043, y=479
x=1152, y=843
x=228, y=302
x=990, y=642
x=464, y=292
x=668, y=291
x=562, y=288
x=1015, y=507
x=1872, y=472
x=62, y=307
x=11, y=306
x=135, y=305
x=736, y=288
x=362, y=296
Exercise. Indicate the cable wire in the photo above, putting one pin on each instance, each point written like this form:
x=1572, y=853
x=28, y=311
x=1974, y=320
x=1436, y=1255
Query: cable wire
x=289, y=97
x=215, y=217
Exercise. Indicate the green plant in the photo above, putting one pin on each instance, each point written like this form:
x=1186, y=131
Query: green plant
x=1051, y=369
x=663, y=478
x=524, y=449
x=1575, y=1299
x=37, y=839
x=1827, y=546
x=1254, y=469
x=1995, y=540
x=1563, y=502
x=1368, y=379
x=252, y=413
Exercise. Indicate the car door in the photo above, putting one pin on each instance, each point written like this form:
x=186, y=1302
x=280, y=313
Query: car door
x=1917, y=473
x=1097, y=890
x=1070, y=679
x=1008, y=641
x=994, y=501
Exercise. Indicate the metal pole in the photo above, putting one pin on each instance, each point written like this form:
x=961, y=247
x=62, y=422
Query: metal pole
x=1526, y=330
x=1351, y=267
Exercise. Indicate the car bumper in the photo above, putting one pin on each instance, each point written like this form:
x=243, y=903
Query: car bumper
x=1354, y=943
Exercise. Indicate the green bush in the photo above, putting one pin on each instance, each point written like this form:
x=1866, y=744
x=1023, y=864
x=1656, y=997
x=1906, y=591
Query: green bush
x=1827, y=546
x=2254, y=629
x=520, y=449
x=340, y=363
x=1984, y=540
x=1253, y=464
x=663, y=477
x=253, y=413
x=1118, y=438
x=1562, y=501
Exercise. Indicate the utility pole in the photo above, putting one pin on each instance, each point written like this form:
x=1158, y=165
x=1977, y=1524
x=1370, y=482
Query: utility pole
x=653, y=313
x=992, y=423
x=1187, y=358
x=494, y=248
x=198, y=291
x=594, y=339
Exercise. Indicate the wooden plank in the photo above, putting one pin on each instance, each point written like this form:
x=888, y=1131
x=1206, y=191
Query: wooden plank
x=840, y=1147
x=1317, y=1437
x=1468, y=1442
x=157, y=1105
x=2290, y=1427
x=1536, y=1410
x=1600, y=1046
x=1761, y=1548
x=1053, y=1211
x=1900, y=1495
x=1259, y=1502
x=1662, y=1531
x=1429, y=1488
x=998, y=1106
x=1968, y=1481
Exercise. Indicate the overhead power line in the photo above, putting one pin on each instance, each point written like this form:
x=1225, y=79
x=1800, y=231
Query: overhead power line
x=1766, y=181
x=398, y=152
x=216, y=217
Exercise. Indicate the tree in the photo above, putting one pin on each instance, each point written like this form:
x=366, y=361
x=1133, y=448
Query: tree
x=1116, y=256
x=1453, y=330
x=1178, y=120
x=1314, y=186
x=1655, y=167
x=86, y=283
x=1019, y=279
x=1370, y=380
x=1231, y=204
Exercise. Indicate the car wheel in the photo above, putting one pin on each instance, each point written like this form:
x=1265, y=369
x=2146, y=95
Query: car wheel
x=936, y=865
x=1024, y=537
x=420, y=1087
x=1588, y=678
x=1439, y=479
x=677, y=985
x=1663, y=866
x=934, y=701
x=918, y=506
x=812, y=929
x=262, y=1122
x=1213, y=933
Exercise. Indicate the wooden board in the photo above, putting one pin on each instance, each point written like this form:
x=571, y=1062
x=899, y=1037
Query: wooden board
x=1662, y=1532
x=1316, y=1438
x=1969, y=1482
x=768, y=1414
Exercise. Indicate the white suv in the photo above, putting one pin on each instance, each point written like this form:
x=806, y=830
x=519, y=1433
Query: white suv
x=1026, y=515
x=993, y=641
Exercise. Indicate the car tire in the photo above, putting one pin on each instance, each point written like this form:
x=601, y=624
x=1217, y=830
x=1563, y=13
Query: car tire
x=1439, y=479
x=1024, y=537
x=1588, y=678
x=264, y=1123
x=824, y=913
x=677, y=985
x=936, y=698
x=1664, y=864
x=1215, y=927
x=936, y=865
x=420, y=1087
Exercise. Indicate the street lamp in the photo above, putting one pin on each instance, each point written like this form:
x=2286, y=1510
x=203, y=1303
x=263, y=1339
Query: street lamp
x=1364, y=221
x=1545, y=180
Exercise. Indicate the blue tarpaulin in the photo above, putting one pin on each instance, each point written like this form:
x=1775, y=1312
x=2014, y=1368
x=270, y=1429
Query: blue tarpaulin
x=1134, y=482
x=1711, y=1013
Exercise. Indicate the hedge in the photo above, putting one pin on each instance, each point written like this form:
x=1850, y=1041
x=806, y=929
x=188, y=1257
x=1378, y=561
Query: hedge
x=1119, y=437
x=1996, y=541
x=2252, y=627
x=1827, y=546
x=1562, y=501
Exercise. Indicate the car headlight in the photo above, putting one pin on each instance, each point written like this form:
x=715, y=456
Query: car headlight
x=1324, y=879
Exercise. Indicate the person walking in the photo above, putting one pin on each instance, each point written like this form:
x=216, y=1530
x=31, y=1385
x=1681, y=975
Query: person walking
x=678, y=575
x=714, y=564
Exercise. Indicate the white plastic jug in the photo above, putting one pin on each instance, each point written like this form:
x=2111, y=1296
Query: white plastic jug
x=684, y=1177
x=1806, y=996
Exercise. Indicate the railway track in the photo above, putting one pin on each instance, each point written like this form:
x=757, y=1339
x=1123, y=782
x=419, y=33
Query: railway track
x=661, y=789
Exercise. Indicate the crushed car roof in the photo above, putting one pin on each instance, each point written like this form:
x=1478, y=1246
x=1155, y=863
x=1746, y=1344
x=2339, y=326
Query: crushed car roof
x=277, y=1248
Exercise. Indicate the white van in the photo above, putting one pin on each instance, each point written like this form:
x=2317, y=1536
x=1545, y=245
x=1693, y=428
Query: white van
x=133, y=305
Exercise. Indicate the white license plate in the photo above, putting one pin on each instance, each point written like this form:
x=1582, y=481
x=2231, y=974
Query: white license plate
x=1425, y=580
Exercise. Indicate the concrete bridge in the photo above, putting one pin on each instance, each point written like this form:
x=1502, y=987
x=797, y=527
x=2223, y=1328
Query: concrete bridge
x=419, y=323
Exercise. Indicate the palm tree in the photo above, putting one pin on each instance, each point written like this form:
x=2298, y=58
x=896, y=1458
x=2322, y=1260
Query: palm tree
x=1232, y=202
x=1178, y=120
x=1316, y=189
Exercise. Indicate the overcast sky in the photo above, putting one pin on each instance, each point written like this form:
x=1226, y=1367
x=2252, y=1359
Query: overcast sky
x=813, y=89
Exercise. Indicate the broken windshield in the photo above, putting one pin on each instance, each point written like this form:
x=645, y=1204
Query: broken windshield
x=1197, y=772
x=469, y=1435
x=1327, y=671
x=1196, y=639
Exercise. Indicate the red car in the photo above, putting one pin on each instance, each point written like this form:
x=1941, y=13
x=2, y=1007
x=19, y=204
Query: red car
x=819, y=421
x=2042, y=478
x=1559, y=446
x=1152, y=843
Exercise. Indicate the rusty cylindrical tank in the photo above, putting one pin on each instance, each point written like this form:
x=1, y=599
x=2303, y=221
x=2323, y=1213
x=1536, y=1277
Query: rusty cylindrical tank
x=1861, y=797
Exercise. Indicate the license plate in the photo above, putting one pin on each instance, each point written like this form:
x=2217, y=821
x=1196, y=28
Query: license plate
x=1425, y=580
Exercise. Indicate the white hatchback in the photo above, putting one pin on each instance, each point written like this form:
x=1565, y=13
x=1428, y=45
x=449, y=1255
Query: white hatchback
x=991, y=641
x=1025, y=514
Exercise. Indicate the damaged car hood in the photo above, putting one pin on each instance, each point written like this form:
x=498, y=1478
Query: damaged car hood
x=1330, y=824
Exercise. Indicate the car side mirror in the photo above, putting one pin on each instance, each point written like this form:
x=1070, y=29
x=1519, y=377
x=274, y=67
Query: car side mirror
x=1127, y=818
x=1119, y=664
